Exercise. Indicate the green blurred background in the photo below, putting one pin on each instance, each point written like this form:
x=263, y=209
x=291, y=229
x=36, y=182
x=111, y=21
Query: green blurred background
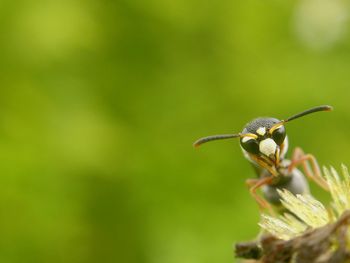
x=101, y=101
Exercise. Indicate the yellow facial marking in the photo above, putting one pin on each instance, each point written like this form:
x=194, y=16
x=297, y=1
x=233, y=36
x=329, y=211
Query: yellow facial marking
x=275, y=127
x=261, y=131
x=247, y=138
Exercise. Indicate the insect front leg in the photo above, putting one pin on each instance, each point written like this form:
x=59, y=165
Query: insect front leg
x=314, y=173
x=254, y=185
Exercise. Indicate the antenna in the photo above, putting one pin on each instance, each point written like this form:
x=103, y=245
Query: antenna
x=301, y=114
x=214, y=137
x=309, y=111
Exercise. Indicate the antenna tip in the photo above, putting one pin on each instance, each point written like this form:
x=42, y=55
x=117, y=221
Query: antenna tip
x=328, y=108
x=195, y=144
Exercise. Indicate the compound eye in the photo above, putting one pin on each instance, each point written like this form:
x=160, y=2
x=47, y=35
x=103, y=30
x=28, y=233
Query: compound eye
x=279, y=135
x=250, y=145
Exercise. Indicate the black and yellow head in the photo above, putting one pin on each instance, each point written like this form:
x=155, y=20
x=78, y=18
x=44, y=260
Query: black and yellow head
x=264, y=139
x=261, y=135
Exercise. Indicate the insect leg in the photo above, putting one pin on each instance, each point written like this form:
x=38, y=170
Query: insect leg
x=254, y=185
x=299, y=157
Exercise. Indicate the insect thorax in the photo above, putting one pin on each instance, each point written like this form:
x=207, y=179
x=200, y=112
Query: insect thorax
x=295, y=182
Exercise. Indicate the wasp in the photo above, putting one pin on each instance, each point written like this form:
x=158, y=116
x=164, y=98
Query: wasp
x=264, y=143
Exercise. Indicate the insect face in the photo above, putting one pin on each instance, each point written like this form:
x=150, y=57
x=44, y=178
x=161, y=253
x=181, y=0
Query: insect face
x=265, y=138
